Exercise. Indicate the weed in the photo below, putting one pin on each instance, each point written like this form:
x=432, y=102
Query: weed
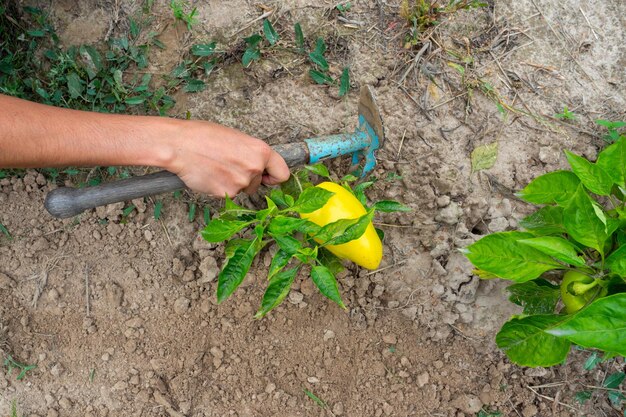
x=11, y=364
x=315, y=398
x=92, y=375
x=423, y=14
x=613, y=129
x=344, y=7
x=5, y=231
x=488, y=413
x=178, y=10
x=566, y=114
x=14, y=408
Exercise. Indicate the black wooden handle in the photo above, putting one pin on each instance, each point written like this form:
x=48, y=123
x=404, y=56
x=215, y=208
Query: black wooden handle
x=68, y=202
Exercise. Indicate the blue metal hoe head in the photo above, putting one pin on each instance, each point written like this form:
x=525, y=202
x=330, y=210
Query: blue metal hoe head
x=362, y=143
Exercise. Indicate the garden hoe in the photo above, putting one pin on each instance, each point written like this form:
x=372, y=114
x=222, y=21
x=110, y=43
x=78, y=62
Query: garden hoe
x=362, y=143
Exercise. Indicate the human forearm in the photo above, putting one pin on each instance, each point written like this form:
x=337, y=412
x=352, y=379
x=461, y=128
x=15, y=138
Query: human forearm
x=208, y=157
x=35, y=135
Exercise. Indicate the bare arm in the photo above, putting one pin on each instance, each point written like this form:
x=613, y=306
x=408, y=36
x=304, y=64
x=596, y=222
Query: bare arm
x=208, y=157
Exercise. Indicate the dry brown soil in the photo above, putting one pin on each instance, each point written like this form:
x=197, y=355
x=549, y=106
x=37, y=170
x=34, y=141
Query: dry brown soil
x=125, y=321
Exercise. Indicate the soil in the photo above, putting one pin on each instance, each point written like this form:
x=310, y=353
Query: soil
x=119, y=314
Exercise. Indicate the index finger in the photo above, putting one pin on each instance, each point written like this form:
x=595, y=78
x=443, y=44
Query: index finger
x=276, y=170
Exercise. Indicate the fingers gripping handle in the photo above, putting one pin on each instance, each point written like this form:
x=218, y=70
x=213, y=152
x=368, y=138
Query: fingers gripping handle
x=68, y=202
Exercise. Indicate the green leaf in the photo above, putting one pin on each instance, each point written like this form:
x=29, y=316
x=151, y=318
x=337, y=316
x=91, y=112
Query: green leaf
x=218, y=230
x=613, y=161
x=547, y=220
x=319, y=60
x=251, y=54
x=554, y=187
x=299, y=36
x=126, y=212
x=236, y=268
x=191, y=215
x=253, y=40
x=5, y=231
x=158, y=206
x=36, y=33
x=502, y=255
x=591, y=175
x=321, y=77
x=359, y=191
x=537, y=297
x=132, y=101
x=269, y=32
x=330, y=261
x=388, y=206
x=614, y=380
x=206, y=49
x=311, y=199
x=600, y=325
x=557, y=247
x=484, y=157
x=288, y=244
x=279, y=261
x=592, y=361
x=616, y=398
x=583, y=396
x=334, y=229
x=318, y=169
x=325, y=281
x=194, y=85
x=276, y=291
x=380, y=233
x=344, y=83
x=616, y=262
x=74, y=85
x=582, y=223
x=233, y=211
x=354, y=231
x=526, y=343
x=281, y=225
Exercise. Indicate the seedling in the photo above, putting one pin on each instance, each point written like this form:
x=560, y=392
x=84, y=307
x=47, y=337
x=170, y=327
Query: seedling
x=344, y=7
x=4, y=231
x=301, y=244
x=579, y=230
x=320, y=403
x=423, y=14
x=12, y=364
x=489, y=413
x=178, y=10
x=566, y=114
x=613, y=129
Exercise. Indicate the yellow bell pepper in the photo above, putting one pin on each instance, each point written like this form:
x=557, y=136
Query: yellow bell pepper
x=367, y=250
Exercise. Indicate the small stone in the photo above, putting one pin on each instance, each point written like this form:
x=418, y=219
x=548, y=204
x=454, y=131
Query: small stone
x=536, y=372
x=216, y=352
x=105, y=357
x=313, y=380
x=295, y=297
x=130, y=346
x=499, y=224
x=378, y=369
x=387, y=409
x=53, y=295
x=443, y=201
x=178, y=267
x=422, y=379
x=147, y=234
x=450, y=214
x=468, y=403
x=120, y=386
x=181, y=305
x=57, y=370
x=403, y=374
x=410, y=312
x=270, y=388
x=189, y=276
x=209, y=270
x=65, y=403
x=390, y=339
x=338, y=409
x=52, y=413
x=135, y=322
x=328, y=334
x=530, y=411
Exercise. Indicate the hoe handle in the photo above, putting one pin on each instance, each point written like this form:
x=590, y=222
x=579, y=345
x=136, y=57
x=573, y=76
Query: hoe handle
x=68, y=202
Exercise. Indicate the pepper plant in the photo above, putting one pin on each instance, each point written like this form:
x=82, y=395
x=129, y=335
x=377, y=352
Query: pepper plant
x=567, y=262
x=301, y=244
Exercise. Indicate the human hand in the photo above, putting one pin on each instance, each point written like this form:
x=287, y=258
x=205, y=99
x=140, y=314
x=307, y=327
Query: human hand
x=217, y=160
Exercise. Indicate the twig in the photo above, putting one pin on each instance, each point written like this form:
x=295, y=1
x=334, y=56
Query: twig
x=87, y=303
x=48, y=265
x=552, y=399
x=386, y=267
x=415, y=61
x=589, y=23
x=250, y=23
x=447, y=101
x=401, y=143
x=350, y=22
